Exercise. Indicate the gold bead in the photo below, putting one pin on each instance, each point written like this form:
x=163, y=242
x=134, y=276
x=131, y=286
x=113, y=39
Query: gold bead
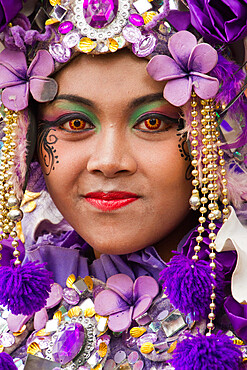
x=213, y=296
x=224, y=182
x=194, y=153
x=225, y=201
x=199, y=238
x=195, y=257
x=212, y=255
x=197, y=248
x=225, y=211
x=221, y=152
x=212, y=306
x=212, y=245
x=205, y=171
x=203, y=209
x=15, y=243
x=213, y=275
x=211, y=206
x=194, y=133
x=224, y=191
x=204, y=190
x=211, y=316
x=16, y=253
x=210, y=325
x=212, y=226
x=194, y=123
x=210, y=186
x=202, y=219
x=210, y=177
x=13, y=234
x=204, y=141
x=212, y=236
x=194, y=162
x=194, y=173
x=194, y=142
x=204, y=200
x=17, y=262
x=204, y=151
x=204, y=180
x=195, y=182
x=212, y=265
x=194, y=113
x=200, y=229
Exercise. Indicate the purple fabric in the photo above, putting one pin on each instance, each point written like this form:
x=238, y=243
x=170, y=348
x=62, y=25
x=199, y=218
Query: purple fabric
x=237, y=314
x=219, y=21
x=17, y=79
x=8, y=10
x=207, y=353
x=179, y=20
x=187, y=69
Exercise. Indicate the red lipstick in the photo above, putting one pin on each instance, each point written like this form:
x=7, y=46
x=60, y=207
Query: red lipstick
x=111, y=200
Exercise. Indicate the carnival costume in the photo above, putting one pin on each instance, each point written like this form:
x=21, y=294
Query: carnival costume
x=111, y=313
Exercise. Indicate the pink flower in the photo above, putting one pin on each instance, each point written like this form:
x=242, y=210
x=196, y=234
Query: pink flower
x=187, y=69
x=17, y=79
x=124, y=300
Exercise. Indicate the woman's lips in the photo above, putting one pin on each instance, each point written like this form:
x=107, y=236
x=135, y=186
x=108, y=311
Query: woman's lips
x=111, y=200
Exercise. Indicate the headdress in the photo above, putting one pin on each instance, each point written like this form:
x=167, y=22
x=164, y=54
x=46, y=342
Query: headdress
x=191, y=45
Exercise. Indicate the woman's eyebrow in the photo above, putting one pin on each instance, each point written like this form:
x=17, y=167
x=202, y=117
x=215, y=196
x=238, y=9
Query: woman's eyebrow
x=74, y=99
x=146, y=99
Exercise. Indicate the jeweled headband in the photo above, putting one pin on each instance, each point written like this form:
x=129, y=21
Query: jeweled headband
x=192, y=45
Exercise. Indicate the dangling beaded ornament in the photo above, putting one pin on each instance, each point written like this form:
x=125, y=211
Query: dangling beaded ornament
x=23, y=289
x=192, y=284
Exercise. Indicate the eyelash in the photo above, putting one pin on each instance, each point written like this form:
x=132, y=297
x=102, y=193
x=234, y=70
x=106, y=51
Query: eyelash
x=145, y=120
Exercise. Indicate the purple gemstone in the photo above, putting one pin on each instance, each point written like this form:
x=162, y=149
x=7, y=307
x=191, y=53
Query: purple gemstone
x=149, y=337
x=70, y=296
x=65, y=27
x=100, y=13
x=132, y=34
x=145, y=46
x=59, y=52
x=68, y=343
x=136, y=19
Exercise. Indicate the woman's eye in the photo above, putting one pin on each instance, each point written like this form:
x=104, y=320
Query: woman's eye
x=153, y=124
x=77, y=124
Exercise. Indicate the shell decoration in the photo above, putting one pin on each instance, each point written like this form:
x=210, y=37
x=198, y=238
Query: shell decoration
x=113, y=45
x=89, y=282
x=148, y=16
x=86, y=45
x=1, y=348
x=70, y=281
x=17, y=333
x=28, y=196
x=74, y=311
x=89, y=312
x=30, y=207
x=147, y=347
x=237, y=341
x=136, y=332
x=58, y=315
x=42, y=333
x=98, y=367
x=19, y=232
x=102, y=351
x=33, y=348
x=55, y=2
x=172, y=347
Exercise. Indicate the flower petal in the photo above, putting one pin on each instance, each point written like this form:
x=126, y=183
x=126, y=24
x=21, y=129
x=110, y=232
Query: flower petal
x=43, y=89
x=120, y=321
x=205, y=87
x=16, y=97
x=142, y=305
x=162, y=67
x=203, y=58
x=108, y=302
x=180, y=46
x=16, y=60
x=178, y=91
x=42, y=64
x=123, y=285
x=145, y=285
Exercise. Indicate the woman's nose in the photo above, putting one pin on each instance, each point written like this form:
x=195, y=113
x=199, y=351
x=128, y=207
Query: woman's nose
x=112, y=155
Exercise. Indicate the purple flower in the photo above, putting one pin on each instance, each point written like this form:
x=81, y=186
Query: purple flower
x=17, y=79
x=186, y=70
x=124, y=300
x=8, y=10
x=219, y=20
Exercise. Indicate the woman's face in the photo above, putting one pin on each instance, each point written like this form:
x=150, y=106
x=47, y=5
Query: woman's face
x=108, y=147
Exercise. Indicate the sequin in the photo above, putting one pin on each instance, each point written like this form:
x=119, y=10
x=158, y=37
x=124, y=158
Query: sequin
x=110, y=365
x=172, y=347
x=138, y=365
x=131, y=34
x=86, y=45
x=17, y=333
x=89, y=312
x=60, y=53
x=102, y=351
x=65, y=27
x=133, y=357
x=155, y=326
x=71, y=39
x=113, y=45
x=119, y=357
x=58, y=315
x=55, y=2
x=145, y=46
x=70, y=296
x=121, y=41
x=7, y=340
x=148, y=16
x=51, y=21
x=173, y=323
x=162, y=315
x=59, y=12
x=149, y=337
x=147, y=347
x=136, y=332
x=70, y=280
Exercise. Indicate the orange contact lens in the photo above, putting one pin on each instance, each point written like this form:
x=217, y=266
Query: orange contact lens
x=153, y=123
x=77, y=124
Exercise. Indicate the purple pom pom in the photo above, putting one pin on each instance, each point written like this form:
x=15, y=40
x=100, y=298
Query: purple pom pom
x=6, y=362
x=189, y=285
x=216, y=352
x=24, y=289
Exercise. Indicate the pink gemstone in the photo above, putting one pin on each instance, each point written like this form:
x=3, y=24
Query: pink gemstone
x=100, y=13
x=136, y=19
x=65, y=27
x=69, y=343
